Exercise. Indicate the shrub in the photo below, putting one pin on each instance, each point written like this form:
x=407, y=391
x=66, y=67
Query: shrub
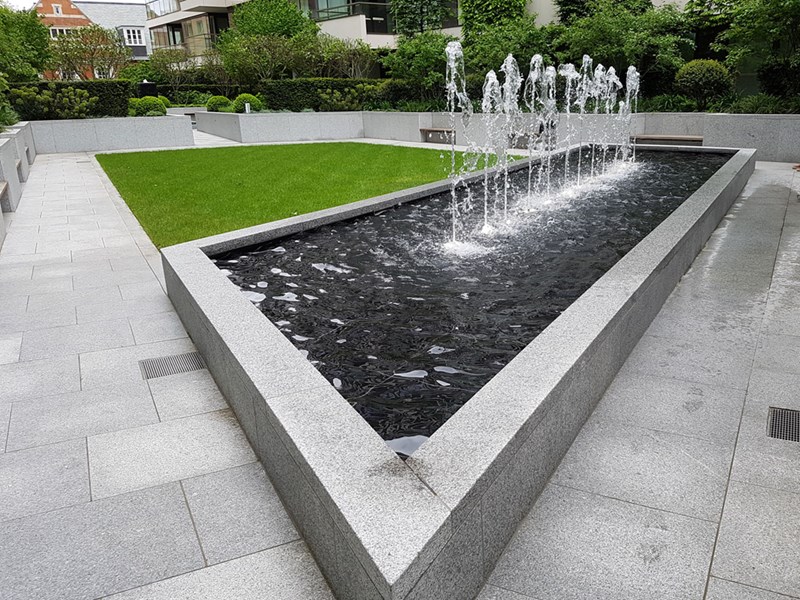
x=52, y=103
x=298, y=94
x=703, y=81
x=165, y=101
x=780, y=77
x=150, y=104
x=133, y=104
x=7, y=114
x=154, y=113
x=192, y=98
x=478, y=14
x=667, y=103
x=421, y=62
x=111, y=95
x=217, y=104
x=242, y=99
x=354, y=98
x=764, y=104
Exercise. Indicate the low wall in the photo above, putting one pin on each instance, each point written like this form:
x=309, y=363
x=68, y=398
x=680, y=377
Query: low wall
x=24, y=131
x=10, y=175
x=116, y=133
x=776, y=137
x=21, y=151
x=430, y=528
x=397, y=126
x=282, y=127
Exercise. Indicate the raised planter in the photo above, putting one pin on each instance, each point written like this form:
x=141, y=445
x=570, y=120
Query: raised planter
x=432, y=527
x=20, y=150
x=108, y=134
x=282, y=127
x=9, y=175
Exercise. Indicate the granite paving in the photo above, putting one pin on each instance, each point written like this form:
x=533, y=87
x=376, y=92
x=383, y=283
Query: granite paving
x=673, y=489
x=110, y=483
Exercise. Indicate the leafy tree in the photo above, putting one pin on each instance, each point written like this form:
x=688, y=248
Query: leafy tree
x=352, y=59
x=764, y=29
x=568, y=10
x=704, y=81
x=90, y=50
x=139, y=71
x=521, y=37
x=420, y=60
x=24, y=44
x=477, y=15
x=250, y=59
x=656, y=42
x=212, y=69
x=173, y=66
x=415, y=16
x=7, y=115
x=271, y=17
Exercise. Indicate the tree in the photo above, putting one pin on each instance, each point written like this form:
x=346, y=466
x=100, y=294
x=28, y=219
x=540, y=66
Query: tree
x=250, y=59
x=421, y=61
x=480, y=14
x=353, y=59
x=90, y=52
x=24, y=44
x=657, y=42
x=174, y=66
x=767, y=29
x=271, y=17
x=520, y=37
x=568, y=10
x=415, y=16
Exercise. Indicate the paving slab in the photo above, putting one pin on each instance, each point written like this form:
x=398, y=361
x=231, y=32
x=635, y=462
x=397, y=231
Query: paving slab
x=39, y=378
x=757, y=543
x=98, y=548
x=157, y=327
x=284, y=573
x=186, y=394
x=237, y=512
x=141, y=457
x=676, y=473
x=720, y=589
x=75, y=339
x=35, y=422
x=574, y=545
x=43, y=479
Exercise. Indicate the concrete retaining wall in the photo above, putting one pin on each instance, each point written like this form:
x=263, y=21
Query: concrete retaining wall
x=430, y=528
x=123, y=133
x=282, y=127
x=10, y=175
x=20, y=150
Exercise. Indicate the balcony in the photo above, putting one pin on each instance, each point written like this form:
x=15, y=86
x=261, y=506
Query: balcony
x=377, y=15
x=159, y=8
x=197, y=45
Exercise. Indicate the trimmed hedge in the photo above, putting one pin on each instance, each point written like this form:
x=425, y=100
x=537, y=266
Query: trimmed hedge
x=299, y=94
x=112, y=94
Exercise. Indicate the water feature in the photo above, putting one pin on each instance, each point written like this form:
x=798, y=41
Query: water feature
x=410, y=311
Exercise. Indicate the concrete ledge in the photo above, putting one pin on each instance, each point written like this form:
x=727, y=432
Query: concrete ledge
x=10, y=175
x=282, y=127
x=20, y=151
x=123, y=133
x=430, y=528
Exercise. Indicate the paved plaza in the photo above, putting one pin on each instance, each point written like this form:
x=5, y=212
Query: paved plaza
x=116, y=486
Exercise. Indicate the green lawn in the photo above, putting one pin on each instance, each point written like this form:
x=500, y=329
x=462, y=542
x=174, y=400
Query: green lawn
x=181, y=195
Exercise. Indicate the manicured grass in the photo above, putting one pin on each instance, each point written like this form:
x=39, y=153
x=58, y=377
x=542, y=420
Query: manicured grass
x=181, y=195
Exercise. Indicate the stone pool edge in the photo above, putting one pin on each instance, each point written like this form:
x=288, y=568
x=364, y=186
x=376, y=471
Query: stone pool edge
x=381, y=528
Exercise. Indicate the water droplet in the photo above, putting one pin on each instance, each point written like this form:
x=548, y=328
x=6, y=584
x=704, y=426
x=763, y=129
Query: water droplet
x=419, y=374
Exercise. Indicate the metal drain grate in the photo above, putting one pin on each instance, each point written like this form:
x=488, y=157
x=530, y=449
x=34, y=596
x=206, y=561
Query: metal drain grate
x=171, y=365
x=784, y=424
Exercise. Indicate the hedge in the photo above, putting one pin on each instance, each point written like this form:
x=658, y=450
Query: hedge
x=112, y=94
x=299, y=94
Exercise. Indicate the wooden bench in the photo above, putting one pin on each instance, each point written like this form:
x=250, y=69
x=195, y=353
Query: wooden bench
x=437, y=135
x=668, y=140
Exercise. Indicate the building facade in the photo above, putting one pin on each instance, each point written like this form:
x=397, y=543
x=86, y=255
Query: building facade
x=129, y=20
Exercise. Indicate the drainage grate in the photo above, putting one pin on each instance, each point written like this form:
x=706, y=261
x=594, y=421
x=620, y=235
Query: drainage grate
x=784, y=424
x=171, y=365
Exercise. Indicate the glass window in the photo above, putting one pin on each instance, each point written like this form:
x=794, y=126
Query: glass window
x=57, y=31
x=134, y=37
x=57, y=9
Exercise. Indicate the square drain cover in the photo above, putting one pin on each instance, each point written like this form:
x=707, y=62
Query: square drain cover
x=171, y=365
x=784, y=424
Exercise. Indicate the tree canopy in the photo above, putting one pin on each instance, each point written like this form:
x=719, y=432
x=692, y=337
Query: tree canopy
x=24, y=44
x=271, y=17
x=415, y=16
x=90, y=52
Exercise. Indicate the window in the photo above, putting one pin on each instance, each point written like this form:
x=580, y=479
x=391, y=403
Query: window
x=57, y=9
x=134, y=37
x=55, y=32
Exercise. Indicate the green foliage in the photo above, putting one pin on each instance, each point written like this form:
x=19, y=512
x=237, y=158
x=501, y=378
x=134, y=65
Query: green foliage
x=477, y=15
x=165, y=101
x=521, y=37
x=24, y=44
x=242, y=99
x=301, y=94
x=7, y=114
x=762, y=29
x=249, y=59
x=150, y=104
x=415, y=16
x=111, y=96
x=218, y=104
x=352, y=59
x=764, y=104
x=173, y=66
x=780, y=76
x=703, y=81
x=421, y=62
x=354, y=98
x=88, y=51
x=667, y=103
x=656, y=41
x=569, y=10
x=140, y=71
x=67, y=102
x=133, y=104
x=191, y=98
x=271, y=18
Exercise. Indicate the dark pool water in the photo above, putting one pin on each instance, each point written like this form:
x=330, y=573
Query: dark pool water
x=408, y=331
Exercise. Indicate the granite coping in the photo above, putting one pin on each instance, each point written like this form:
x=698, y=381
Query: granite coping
x=405, y=529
